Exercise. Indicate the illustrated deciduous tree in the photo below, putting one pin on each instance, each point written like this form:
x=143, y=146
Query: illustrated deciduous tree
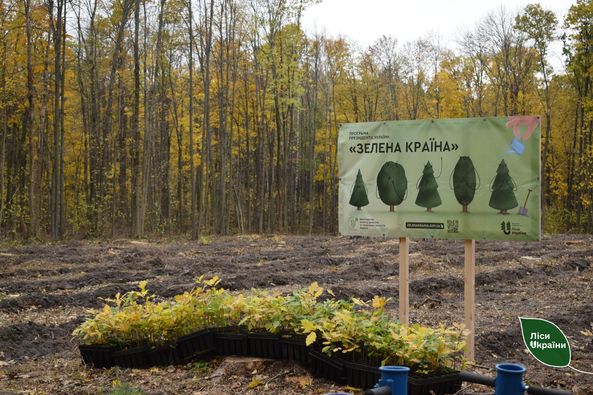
x=428, y=194
x=359, y=196
x=392, y=184
x=503, y=195
x=464, y=181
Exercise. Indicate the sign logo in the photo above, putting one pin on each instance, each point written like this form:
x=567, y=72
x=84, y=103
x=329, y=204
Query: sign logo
x=547, y=343
x=505, y=226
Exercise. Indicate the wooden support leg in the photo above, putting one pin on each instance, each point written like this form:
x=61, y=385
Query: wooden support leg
x=469, y=296
x=404, y=280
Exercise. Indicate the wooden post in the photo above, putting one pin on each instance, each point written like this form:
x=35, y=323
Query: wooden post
x=404, y=280
x=469, y=297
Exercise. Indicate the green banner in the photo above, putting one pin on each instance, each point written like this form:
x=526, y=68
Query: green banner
x=472, y=178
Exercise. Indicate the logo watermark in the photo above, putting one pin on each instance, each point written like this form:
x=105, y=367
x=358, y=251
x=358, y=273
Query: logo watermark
x=547, y=343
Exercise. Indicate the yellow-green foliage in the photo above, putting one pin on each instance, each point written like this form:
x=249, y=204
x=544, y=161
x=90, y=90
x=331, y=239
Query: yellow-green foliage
x=135, y=318
x=339, y=326
x=345, y=327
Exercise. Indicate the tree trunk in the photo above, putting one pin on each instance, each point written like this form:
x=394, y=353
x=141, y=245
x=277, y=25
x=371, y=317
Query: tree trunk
x=148, y=137
x=55, y=209
x=4, y=130
x=28, y=128
x=194, y=201
x=116, y=62
x=234, y=65
x=223, y=92
x=62, y=183
x=206, y=148
x=136, y=198
x=122, y=196
x=179, y=138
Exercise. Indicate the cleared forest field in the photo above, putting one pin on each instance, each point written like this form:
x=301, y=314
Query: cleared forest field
x=46, y=291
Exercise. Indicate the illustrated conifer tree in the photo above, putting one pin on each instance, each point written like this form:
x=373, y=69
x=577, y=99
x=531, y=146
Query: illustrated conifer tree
x=392, y=184
x=359, y=196
x=464, y=182
x=428, y=194
x=503, y=195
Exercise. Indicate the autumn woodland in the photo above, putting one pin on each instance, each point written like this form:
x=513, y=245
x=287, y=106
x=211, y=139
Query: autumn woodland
x=141, y=118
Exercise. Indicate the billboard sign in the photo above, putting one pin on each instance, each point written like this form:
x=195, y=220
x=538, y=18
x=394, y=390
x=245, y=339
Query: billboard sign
x=472, y=178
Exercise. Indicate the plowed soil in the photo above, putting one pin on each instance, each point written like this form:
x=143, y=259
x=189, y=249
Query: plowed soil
x=46, y=290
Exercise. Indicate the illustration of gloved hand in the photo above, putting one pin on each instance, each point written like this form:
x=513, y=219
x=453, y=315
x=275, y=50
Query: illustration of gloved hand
x=523, y=127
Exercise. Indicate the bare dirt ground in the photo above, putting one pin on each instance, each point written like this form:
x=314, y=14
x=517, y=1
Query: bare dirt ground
x=46, y=290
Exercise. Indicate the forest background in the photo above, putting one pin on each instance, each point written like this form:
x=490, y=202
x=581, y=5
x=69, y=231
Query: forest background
x=156, y=117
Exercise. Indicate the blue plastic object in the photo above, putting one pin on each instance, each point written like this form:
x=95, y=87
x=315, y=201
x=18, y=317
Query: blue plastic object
x=395, y=377
x=517, y=147
x=509, y=379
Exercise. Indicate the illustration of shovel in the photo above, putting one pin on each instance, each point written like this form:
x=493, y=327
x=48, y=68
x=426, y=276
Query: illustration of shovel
x=523, y=210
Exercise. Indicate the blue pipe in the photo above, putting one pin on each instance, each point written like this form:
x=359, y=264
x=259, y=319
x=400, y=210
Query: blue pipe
x=395, y=377
x=509, y=379
x=394, y=380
